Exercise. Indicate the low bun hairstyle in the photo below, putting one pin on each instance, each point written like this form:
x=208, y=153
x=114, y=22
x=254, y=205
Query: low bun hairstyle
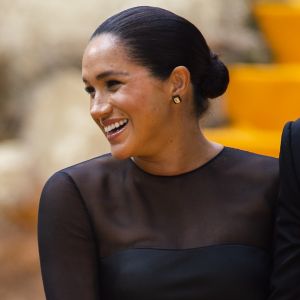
x=161, y=40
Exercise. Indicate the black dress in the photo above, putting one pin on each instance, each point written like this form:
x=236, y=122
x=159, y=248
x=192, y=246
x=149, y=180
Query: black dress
x=108, y=230
x=286, y=274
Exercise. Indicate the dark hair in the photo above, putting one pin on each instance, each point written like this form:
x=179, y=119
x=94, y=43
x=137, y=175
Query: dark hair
x=161, y=40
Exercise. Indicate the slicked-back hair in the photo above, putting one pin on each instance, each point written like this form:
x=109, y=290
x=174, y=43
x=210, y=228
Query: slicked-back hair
x=161, y=40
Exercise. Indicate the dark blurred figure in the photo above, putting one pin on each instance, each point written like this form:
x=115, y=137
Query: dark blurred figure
x=286, y=275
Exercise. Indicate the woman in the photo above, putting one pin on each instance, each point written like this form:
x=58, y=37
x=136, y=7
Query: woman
x=286, y=274
x=168, y=214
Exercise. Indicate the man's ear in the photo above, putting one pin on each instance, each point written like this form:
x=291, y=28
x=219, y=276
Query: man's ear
x=180, y=81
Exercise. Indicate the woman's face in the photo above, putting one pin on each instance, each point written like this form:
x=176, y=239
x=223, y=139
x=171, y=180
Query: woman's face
x=131, y=107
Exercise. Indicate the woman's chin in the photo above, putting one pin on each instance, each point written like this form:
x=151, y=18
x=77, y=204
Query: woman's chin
x=119, y=152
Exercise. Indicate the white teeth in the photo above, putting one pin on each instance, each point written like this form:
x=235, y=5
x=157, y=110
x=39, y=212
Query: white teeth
x=115, y=125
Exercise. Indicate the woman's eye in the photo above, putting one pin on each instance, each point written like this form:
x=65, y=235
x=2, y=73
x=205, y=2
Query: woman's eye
x=112, y=83
x=90, y=90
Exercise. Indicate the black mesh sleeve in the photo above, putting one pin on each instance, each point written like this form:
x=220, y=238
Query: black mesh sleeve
x=67, y=247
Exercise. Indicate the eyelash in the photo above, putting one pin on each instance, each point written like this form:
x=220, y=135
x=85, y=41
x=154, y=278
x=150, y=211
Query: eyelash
x=110, y=84
x=90, y=90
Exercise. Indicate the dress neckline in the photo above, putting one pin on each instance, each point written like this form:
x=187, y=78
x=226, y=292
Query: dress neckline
x=201, y=167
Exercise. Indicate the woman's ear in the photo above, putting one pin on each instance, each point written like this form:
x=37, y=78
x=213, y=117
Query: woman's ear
x=180, y=80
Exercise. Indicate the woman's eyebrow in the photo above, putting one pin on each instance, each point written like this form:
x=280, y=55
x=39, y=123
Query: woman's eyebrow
x=107, y=74
x=110, y=73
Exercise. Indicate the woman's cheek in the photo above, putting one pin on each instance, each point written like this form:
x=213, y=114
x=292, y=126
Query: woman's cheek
x=126, y=101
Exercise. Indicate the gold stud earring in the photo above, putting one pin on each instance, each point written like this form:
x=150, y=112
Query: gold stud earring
x=176, y=99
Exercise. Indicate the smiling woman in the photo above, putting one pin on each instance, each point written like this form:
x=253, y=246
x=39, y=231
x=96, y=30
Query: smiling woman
x=126, y=92
x=167, y=214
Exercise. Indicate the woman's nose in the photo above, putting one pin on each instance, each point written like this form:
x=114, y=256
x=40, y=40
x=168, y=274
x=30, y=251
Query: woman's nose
x=100, y=109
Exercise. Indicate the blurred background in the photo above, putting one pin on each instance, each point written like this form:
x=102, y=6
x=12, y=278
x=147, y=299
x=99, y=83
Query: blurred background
x=45, y=123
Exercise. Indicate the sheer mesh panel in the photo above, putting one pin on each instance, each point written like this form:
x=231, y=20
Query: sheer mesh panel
x=102, y=206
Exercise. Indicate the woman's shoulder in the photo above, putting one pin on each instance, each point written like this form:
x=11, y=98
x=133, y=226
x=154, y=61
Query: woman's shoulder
x=103, y=162
x=255, y=175
x=252, y=161
x=91, y=169
x=250, y=169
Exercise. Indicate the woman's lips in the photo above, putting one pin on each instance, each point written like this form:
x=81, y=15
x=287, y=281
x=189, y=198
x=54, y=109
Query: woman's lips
x=115, y=125
x=115, y=129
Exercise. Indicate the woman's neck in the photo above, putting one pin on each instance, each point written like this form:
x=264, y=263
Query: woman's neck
x=186, y=154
